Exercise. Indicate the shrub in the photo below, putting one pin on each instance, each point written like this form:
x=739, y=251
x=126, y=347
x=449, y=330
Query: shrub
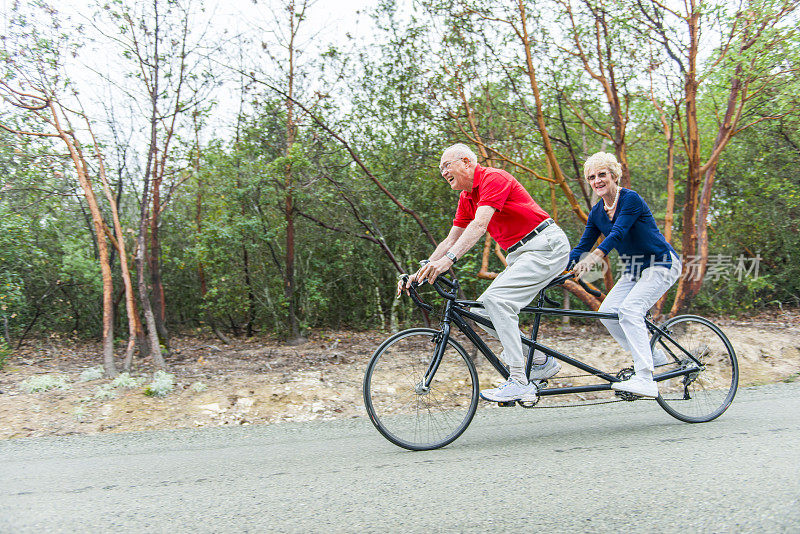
x=162, y=384
x=79, y=413
x=92, y=373
x=125, y=380
x=198, y=387
x=105, y=392
x=37, y=384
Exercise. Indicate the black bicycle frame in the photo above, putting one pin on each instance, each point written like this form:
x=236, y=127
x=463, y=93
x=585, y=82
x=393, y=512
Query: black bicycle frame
x=456, y=311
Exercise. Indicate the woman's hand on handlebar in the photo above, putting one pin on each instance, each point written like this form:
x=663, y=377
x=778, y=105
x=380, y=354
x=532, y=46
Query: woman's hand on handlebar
x=588, y=262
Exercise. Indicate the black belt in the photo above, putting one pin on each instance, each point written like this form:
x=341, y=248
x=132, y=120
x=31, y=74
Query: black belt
x=536, y=231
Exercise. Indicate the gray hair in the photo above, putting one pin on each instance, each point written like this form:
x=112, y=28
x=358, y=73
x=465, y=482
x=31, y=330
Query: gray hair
x=603, y=160
x=460, y=150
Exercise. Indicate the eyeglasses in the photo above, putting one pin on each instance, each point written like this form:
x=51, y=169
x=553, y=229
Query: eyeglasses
x=446, y=165
x=592, y=177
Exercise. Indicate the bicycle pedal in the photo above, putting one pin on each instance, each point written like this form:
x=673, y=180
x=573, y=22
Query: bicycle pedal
x=627, y=396
x=506, y=403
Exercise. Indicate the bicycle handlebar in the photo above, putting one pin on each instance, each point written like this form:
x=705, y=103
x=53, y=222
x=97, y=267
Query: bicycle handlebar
x=453, y=286
x=412, y=291
x=437, y=284
x=558, y=280
x=588, y=288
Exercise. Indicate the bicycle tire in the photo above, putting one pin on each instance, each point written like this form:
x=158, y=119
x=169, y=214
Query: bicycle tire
x=403, y=413
x=704, y=395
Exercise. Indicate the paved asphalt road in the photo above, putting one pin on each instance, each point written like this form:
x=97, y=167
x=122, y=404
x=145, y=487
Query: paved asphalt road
x=609, y=468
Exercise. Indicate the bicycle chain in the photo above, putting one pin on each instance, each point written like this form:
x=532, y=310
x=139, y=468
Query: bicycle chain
x=586, y=403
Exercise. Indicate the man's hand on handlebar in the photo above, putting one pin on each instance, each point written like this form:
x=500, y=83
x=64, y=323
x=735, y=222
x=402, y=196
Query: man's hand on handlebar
x=431, y=270
x=404, y=283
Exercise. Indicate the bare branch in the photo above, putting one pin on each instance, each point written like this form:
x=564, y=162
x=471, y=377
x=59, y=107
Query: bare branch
x=23, y=132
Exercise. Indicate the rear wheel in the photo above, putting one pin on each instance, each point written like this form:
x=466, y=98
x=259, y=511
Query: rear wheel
x=698, y=346
x=402, y=408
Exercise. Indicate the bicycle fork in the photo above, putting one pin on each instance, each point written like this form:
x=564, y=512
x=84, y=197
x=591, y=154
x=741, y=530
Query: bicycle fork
x=441, y=344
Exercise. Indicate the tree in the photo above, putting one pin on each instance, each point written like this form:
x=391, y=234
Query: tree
x=38, y=87
x=166, y=53
x=602, y=43
x=748, y=62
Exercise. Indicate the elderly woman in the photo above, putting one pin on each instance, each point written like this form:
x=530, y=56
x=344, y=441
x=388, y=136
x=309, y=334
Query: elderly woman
x=651, y=265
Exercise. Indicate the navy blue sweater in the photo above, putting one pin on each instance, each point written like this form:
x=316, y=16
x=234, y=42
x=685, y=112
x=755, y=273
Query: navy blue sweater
x=632, y=231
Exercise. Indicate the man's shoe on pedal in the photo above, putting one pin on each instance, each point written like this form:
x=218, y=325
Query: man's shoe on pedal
x=543, y=371
x=638, y=386
x=511, y=390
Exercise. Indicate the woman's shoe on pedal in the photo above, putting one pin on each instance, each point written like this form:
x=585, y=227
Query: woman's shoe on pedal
x=511, y=390
x=638, y=386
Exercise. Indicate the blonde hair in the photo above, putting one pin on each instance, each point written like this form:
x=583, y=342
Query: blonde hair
x=603, y=160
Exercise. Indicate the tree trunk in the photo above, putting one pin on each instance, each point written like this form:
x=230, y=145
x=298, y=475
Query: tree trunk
x=251, y=298
x=141, y=263
x=687, y=283
x=670, y=210
x=710, y=169
x=159, y=305
x=102, y=245
x=135, y=334
x=288, y=205
x=669, y=216
x=144, y=297
x=6, y=336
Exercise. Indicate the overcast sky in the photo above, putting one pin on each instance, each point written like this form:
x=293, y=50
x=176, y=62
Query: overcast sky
x=328, y=23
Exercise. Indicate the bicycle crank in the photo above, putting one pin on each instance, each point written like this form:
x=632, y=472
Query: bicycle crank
x=524, y=404
x=625, y=374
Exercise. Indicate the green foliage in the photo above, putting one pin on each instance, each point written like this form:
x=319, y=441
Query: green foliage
x=397, y=105
x=161, y=385
x=105, y=392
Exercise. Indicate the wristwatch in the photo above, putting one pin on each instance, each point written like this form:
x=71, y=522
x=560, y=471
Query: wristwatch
x=451, y=256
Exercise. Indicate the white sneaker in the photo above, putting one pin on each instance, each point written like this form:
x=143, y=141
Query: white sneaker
x=511, y=390
x=660, y=357
x=637, y=385
x=545, y=370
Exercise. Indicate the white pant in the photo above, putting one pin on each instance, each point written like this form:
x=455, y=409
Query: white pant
x=530, y=268
x=631, y=300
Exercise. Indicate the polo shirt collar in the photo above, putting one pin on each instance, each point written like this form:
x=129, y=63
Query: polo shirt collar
x=479, y=171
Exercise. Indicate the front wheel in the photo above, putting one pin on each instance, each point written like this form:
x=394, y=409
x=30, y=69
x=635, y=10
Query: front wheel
x=406, y=411
x=698, y=346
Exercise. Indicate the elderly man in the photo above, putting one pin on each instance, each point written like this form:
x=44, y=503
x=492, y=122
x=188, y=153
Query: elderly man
x=537, y=251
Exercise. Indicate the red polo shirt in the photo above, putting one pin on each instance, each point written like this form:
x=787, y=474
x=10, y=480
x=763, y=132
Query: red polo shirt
x=517, y=213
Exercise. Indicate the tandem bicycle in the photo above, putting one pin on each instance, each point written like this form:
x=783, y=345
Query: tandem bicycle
x=421, y=386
